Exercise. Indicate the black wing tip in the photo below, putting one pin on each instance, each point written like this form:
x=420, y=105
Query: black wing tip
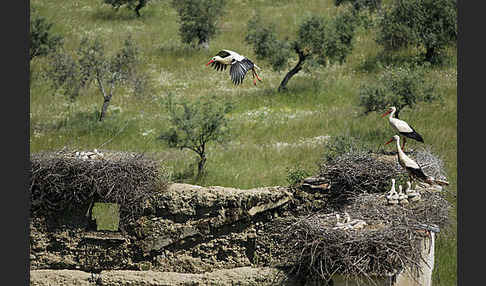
x=218, y=66
x=419, y=173
x=413, y=135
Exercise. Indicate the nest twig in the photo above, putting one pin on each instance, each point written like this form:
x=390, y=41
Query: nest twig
x=357, y=171
x=59, y=180
x=390, y=242
x=430, y=163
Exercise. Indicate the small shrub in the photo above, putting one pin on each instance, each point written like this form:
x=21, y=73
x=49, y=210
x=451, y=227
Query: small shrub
x=400, y=87
x=341, y=144
x=195, y=124
x=296, y=174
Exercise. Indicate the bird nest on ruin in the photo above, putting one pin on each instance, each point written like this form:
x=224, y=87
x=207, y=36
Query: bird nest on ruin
x=378, y=238
x=361, y=171
x=63, y=179
x=430, y=163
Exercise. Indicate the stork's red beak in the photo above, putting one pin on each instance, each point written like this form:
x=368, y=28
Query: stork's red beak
x=209, y=62
x=389, y=141
x=388, y=112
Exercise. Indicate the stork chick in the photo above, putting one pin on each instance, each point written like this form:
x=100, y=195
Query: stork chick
x=412, y=195
x=402, y=197
x=392, y=195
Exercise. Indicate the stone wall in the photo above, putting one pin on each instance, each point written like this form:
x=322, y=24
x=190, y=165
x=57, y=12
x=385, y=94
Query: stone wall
x=189, y=235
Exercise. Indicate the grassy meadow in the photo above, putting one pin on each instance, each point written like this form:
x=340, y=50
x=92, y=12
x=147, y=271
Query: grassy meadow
x=271, y=131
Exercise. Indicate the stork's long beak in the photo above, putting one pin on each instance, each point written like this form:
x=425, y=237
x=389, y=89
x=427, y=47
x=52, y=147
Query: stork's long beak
x=389, y=141
x=386, y=113
x=209, y=62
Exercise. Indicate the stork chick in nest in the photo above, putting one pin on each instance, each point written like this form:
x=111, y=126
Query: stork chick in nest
x=412, y=195
x=348, y=222
x=402, y=197
x=392, y=195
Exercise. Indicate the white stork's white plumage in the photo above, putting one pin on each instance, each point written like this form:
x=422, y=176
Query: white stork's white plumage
x=403, y=198
x=413, y=169
x=392, y=189
x=392, y=195
x=412, y=195
x=402, y=127
x=240, y=65
x=409, y=188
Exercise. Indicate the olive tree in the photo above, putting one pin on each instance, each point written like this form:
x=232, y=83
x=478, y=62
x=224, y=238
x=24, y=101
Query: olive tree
x=319, y=41
x=194, y=124
x=135, y=5
x=65, y=75
x=91, y=66
x=198, y=20
x=430, y=24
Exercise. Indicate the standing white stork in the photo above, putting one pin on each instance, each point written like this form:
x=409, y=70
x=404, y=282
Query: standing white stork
x=402, y=127
x=413, y=169
x=240, y=65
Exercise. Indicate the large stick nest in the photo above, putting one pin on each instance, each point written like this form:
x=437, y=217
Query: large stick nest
x=360, y=171
x=61, y=179
x=391, y=241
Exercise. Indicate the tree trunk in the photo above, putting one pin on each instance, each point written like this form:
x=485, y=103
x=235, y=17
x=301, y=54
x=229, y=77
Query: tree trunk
x=429, y=54
x=200, y=165
x=106, y=102
x=140, y=5
x=203, y=43
x=292, y=72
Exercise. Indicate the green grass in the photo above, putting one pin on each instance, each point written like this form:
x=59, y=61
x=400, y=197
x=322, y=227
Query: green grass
x=270, y=131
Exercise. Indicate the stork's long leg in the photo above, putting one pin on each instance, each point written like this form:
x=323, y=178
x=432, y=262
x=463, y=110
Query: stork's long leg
x=254, y=71
x=253, y=75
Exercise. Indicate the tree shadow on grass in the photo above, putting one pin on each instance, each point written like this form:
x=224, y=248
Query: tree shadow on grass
x=297, y=87
x=376, y=63
x=179, y=49
x=122, y=14
x=87, y=123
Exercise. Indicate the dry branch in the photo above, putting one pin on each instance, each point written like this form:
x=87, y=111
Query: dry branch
x=61, y=179
x=390, y=242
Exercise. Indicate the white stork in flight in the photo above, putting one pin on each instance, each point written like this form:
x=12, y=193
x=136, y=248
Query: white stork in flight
x=413, y=169
x=402, y=127
x=240, y=65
